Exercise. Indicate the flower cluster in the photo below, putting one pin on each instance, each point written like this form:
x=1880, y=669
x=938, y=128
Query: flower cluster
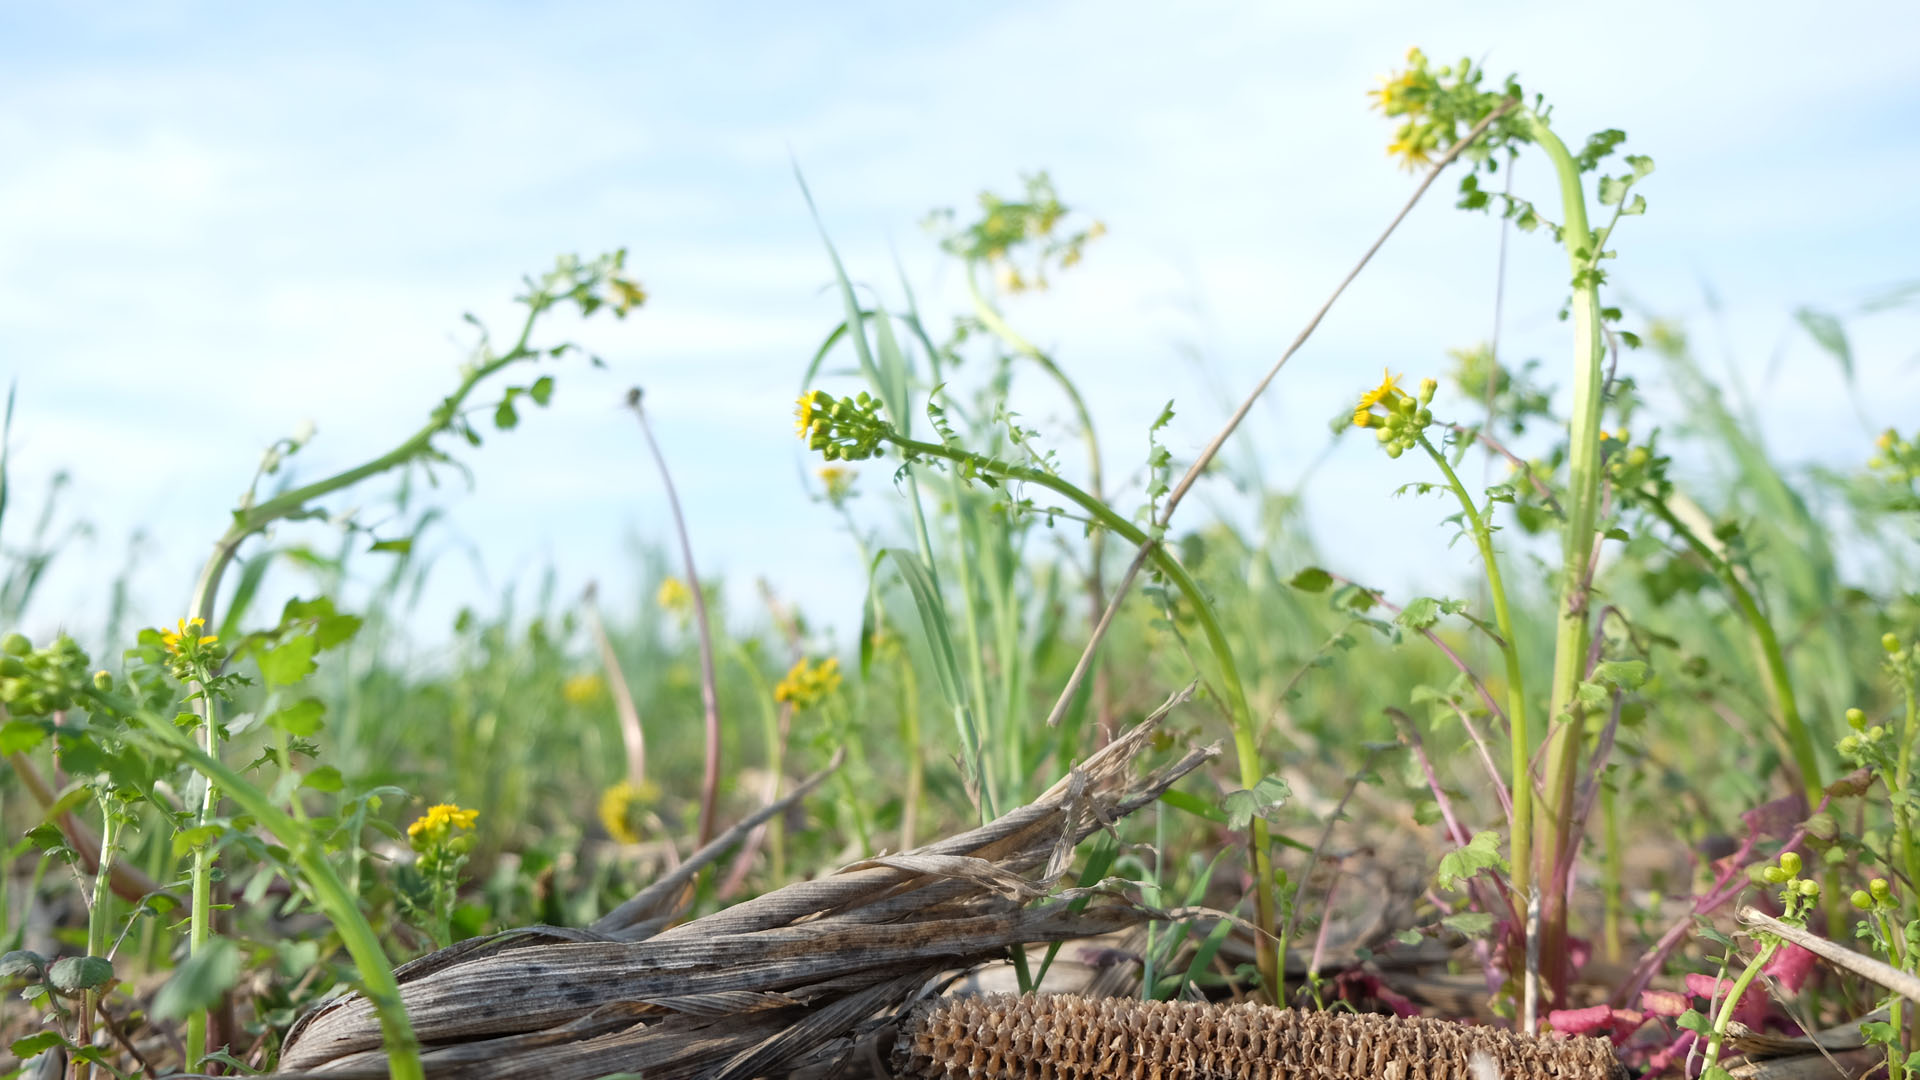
x=1435, y=106
x=35, y=682
x=1402, y=418
x=583, y=689
x=1895, y=457
x=842, y=429
x=190, y=652
x=620, y=807
x=674, y=596
x=1797, y=894
x=838, y=480
x=1877, y=896
x=808, y=684
x=1017, y=238
x=439, y=825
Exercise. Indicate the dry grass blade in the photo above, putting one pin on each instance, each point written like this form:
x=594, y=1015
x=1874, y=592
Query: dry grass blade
x=759, y=987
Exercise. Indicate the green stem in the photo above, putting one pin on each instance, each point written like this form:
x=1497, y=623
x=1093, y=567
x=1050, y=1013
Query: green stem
x=1725, y=1016
x=201, y=918
x=1896, y=950
x=330, y=894
x=1521, y=780
x=1240, y=713
x=97, y=916
x=1565, y=719
x=1799, y=739
x=1903, y=773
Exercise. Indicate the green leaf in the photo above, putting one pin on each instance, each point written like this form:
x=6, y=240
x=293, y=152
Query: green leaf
x=22, y=963
x=504, y=417
x=324, y=778
x=542, y=390
x=1625, y=674
x=200, y=981
x=1263, y=799
x=288, y=664
x=1312, y=579
x=19, y=736
x=300, y=719
x=1409, y=937
x=399, y=547
x=1481, y=853
x=72, y=974
x=188, y=839
x=1593, y=695
x=1641, y=165
x=1471, y=924
x=36, y=1044
x=1613, y=189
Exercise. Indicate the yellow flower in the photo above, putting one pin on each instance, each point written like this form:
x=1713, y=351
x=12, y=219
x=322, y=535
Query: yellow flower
x=583, y=689
x=438, y=823
x=186, y=636
x=808, y=684
x=627, y=295
x=1410, y=146
x=839, y=482
x=811, y=411
x=1388, y=389
x=674, y=596
x=617, y=805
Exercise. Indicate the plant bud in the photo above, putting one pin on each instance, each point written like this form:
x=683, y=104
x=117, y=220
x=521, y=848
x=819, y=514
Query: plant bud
x=1809, y=888
x=1790, y=862
x=16, y=644
x=1856, y=719
x=1861, y=900
x=1888, y=641
x=103, y=681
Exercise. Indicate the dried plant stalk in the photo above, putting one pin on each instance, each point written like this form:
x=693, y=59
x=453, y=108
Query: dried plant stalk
x=785, y=979
x=1068, y=1037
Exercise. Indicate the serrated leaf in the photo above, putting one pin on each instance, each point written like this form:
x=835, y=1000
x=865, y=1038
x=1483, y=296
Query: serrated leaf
x=1591, y=694
x=1481, y=853
x=1641, y=164
x=1612, y=190
x=200, y=981
x=72, y=974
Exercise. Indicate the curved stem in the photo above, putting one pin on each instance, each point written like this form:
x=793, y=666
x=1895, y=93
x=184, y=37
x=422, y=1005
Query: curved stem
x=1553, y=841
x=709, y=682
x=1521, y=780
x=1239, y=712
x=1725, y=1015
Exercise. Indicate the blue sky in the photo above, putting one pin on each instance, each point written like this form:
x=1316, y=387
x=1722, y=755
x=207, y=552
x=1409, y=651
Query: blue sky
x=220, y=221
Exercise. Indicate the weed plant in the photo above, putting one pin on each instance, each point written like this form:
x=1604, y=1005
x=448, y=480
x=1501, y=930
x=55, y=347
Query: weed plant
x=1673, y=639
